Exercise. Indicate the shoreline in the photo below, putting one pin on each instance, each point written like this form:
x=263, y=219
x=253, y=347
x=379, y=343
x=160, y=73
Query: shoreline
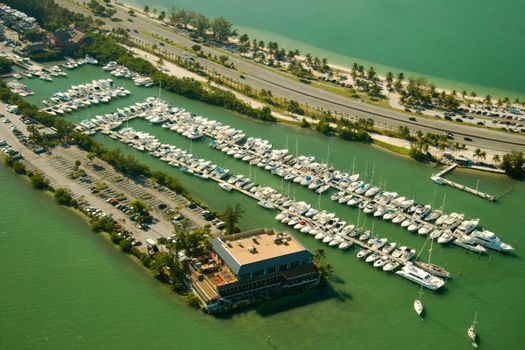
x=442, y=83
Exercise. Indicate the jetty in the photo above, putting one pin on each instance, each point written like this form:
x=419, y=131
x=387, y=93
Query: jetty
x=439, y=179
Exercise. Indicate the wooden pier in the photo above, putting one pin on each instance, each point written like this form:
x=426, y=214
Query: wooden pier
x=438, y=178
x=468, y=189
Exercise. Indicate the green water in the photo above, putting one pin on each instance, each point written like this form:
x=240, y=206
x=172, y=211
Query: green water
x=65, y=287
x=457, y=44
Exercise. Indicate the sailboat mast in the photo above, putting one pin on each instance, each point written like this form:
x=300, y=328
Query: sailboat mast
x=430, y=250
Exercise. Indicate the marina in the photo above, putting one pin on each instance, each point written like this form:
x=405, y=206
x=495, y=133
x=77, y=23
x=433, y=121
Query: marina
x=316, y=176
x=352, y=272
x=183, y=158
x=324, y=226
x=299, y=215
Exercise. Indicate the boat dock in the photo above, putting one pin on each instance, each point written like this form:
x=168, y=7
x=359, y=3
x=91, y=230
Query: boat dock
x=468, y=189
x=446, y=170
x=438, y=178
x=254, y=195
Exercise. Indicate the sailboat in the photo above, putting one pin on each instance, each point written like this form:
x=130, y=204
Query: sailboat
x=472, y=332
x=418, y=305
x=432, y=268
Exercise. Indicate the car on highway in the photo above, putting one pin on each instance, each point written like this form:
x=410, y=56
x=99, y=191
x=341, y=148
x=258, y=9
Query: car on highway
x=467, y=139
x=450, y=136
x=161, y=44
x=242, y=76
x=413, y=119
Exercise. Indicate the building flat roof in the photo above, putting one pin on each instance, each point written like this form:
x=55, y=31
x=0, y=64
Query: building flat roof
x=246, y=250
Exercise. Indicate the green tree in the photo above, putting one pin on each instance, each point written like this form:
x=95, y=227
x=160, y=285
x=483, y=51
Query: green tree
x=34, y=35
x=221, y=28
x=389, y=79
x=231, y=216
x=201, y=24
x=325, y=270
x=63, y=196
x=371, y=73
x=125, y=245
x=5, y=65
x=514, y=164
x=38, y=181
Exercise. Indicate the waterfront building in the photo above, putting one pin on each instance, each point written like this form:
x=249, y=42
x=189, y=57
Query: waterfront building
x=251, y=266
x=70, y=38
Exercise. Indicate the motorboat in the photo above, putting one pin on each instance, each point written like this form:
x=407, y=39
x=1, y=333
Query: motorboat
x=490, y=240
x=468, y=226
x=373, y=257
x=345, y=244
x=363, y=252
x=389, y=215
x=265, y=204
x=469, y=244
x=434, y=215
x=399, y=219
x=425, y=229
x=382, y=261
x=420, y=276
x=445, y=237
x=364, y=236
x=391, y=266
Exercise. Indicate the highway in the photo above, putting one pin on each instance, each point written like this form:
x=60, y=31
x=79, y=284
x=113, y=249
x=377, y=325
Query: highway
x=261, y=77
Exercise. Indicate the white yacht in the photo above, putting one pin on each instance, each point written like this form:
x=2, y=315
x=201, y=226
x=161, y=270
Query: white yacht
x=490, y=240
x=421, y=277
x=469, y=244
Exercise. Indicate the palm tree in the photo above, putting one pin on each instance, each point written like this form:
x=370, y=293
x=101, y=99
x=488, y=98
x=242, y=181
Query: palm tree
x=483, y=155
x=354, y=67
x=155, y=11
x=496, y=158
x=146, y=9
x=308, y=59
x=463, y=93
x=319, y=256
x=488, y=100
x=389, y=78
x=477, y=153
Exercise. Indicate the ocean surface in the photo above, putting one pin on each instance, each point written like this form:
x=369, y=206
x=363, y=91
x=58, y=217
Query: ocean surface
x=457, y=44
x=64, y=287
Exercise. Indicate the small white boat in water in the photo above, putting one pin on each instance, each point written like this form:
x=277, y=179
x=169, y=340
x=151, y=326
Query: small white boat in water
x=418, y=307
x=265, y=204
x=471, y=332
x=345, y=244
x=469, y=244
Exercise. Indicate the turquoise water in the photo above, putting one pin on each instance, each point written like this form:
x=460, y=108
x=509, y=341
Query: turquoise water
x=65, y=287
x=457, y=44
